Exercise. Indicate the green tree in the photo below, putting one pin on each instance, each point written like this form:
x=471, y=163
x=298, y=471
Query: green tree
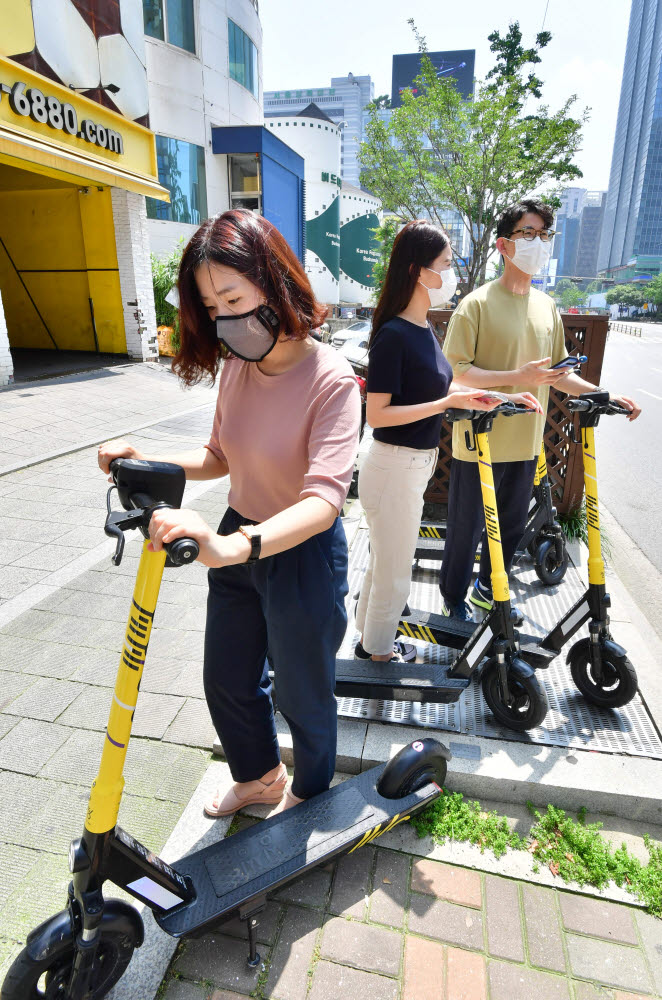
x=439, y=153
x=571, y=297
x=385, y=234
x=383, y=101
x=628, y=295
x=654, y=290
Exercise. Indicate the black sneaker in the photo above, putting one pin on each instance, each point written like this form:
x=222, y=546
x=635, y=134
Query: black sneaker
x=482, y=598
x=403, y=652
x=461, y=611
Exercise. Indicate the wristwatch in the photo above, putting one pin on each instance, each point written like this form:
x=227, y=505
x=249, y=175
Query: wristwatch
x=250, y=532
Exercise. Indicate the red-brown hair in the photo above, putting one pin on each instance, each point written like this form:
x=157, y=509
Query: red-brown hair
x=252, y=246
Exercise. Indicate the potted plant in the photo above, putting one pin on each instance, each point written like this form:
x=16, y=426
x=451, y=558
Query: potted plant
x=164, y=277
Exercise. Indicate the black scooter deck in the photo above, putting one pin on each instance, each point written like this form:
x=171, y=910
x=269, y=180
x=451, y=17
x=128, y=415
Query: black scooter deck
x=454, y=634
x=242, y=869
x=424, y=682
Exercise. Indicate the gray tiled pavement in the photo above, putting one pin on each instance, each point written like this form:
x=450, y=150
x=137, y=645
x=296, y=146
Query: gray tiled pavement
x=379, y=923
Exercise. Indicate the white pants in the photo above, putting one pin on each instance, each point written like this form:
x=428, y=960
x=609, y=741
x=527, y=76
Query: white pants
x=392, y=482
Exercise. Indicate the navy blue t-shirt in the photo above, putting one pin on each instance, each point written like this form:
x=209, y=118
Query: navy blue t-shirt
x=406, y=360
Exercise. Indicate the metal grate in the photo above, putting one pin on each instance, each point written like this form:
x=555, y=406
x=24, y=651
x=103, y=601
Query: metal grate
x=570, y=722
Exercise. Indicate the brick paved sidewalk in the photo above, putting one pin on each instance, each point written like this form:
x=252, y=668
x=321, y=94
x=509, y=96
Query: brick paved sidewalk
x=381, y=925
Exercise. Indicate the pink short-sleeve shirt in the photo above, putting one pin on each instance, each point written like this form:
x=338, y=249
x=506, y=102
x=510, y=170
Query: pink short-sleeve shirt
x=289, y=436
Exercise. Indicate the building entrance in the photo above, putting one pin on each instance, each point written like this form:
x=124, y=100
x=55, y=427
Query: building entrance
x=59, y=276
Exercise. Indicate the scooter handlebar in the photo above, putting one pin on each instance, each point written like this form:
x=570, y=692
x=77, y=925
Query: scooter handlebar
x=507, y=409
x=182, y=550
x=607, y=406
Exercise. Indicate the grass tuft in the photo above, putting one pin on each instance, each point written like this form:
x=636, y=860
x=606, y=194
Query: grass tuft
x=572, y=849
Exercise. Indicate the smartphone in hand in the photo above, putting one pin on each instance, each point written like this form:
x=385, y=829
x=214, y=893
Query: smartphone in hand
x=489, y=396
x=570, y=362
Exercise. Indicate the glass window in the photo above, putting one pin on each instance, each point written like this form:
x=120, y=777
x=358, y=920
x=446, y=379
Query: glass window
x=180, y=24
x=153, y=18
x=171, y=21
x=245, y=181
x=243, y=58
x=181, y=170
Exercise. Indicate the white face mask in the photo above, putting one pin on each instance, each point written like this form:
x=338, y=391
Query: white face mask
x=530, y=255
x=438, y=296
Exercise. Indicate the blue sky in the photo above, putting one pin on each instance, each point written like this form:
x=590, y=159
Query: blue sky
x=306, y=42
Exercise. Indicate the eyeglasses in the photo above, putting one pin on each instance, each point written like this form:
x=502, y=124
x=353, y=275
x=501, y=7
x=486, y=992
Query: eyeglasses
x=528, y=233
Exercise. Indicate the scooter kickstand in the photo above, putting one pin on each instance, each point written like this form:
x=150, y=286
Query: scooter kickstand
x=252, y=924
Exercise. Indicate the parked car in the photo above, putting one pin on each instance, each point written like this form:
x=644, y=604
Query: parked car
x=353, y=330
x=355, y=349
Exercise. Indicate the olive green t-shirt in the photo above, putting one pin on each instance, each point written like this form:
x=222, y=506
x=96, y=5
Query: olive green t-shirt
x=494, y=329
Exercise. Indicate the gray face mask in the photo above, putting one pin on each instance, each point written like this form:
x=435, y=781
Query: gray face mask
x=251, y=335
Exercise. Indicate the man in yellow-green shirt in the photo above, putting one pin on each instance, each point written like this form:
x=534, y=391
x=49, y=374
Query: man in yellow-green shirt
x=505, y=335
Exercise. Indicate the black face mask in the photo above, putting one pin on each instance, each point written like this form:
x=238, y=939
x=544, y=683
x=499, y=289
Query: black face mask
x=251, y=335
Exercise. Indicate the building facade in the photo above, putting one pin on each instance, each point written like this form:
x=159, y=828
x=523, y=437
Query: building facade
x=632, y=225
x=578, y=225
x=344, y=102
x=76, y=162
x=204, y=71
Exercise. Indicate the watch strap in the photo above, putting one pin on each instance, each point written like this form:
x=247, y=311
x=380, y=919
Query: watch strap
x=255, y=539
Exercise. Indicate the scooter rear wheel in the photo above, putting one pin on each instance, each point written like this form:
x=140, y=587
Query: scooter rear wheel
x=619, y=678
x=548, y=569
x=530, y=699
x=47, y=978
x=414, y=766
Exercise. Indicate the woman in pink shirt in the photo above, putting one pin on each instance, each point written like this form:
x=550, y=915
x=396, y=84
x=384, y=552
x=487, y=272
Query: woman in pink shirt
x=286, y=430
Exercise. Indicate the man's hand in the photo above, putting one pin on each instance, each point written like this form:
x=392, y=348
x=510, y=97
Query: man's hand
x=539, y=373
x=629, y=404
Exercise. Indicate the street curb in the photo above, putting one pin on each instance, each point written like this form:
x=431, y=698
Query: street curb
x=58, y=453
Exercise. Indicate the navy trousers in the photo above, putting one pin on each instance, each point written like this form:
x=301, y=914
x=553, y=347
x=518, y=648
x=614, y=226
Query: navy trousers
x=291, y=607
x=513, y=482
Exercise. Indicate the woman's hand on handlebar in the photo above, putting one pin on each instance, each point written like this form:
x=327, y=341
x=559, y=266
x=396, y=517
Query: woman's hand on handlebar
x=629, y=404
x=215, y=550
x=525, y=399
x=115, y=449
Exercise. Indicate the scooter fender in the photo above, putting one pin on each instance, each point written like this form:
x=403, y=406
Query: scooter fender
x=607, y=646
x=520, y=668
x=613, y=650
x=57, y=934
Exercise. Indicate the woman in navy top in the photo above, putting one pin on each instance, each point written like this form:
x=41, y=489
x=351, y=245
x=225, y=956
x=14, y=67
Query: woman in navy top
x=409, y=386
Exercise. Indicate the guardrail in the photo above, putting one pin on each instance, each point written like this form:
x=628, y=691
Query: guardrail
x=633, y=331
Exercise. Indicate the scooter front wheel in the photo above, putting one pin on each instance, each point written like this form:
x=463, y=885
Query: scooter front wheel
x=45, y=974
x=618, y=684
x=529, y=700
x=549, y=569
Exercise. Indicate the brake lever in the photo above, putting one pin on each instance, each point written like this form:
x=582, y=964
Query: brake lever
x=119, y=521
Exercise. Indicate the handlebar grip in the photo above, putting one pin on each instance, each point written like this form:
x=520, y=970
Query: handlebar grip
x=182, y=551
x=615, y=407
x=578, y=405
x=454, y=415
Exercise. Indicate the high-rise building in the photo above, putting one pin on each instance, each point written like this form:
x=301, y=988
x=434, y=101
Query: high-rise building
x=632, y=227
x=344, y=102
x=589, y=235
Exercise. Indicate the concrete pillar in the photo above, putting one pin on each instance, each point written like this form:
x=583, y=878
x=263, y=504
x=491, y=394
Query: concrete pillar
x=6, y=363
x=133, y=258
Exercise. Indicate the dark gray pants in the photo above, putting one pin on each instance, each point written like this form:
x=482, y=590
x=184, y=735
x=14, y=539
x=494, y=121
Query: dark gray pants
x=291, y=605
x=513, y=482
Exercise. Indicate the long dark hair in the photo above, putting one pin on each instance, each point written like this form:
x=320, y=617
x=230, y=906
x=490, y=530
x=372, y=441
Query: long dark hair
x=417, y=245
x=252, y=246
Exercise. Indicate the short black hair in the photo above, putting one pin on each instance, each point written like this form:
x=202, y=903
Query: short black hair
x=510, y=217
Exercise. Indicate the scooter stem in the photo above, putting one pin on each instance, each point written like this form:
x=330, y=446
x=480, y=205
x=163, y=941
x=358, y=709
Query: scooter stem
x=596, y=566
x=500, y=590
x=107, y=787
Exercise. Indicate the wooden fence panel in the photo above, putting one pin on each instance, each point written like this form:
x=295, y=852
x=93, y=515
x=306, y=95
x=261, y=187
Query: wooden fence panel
x=584, y=334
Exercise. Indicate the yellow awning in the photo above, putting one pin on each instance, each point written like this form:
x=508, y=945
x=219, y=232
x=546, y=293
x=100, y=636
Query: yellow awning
x=16, y=149
x=89, y=142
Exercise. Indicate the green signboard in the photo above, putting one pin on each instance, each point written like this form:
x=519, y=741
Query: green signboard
x=323, y=237
x=359, y=249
